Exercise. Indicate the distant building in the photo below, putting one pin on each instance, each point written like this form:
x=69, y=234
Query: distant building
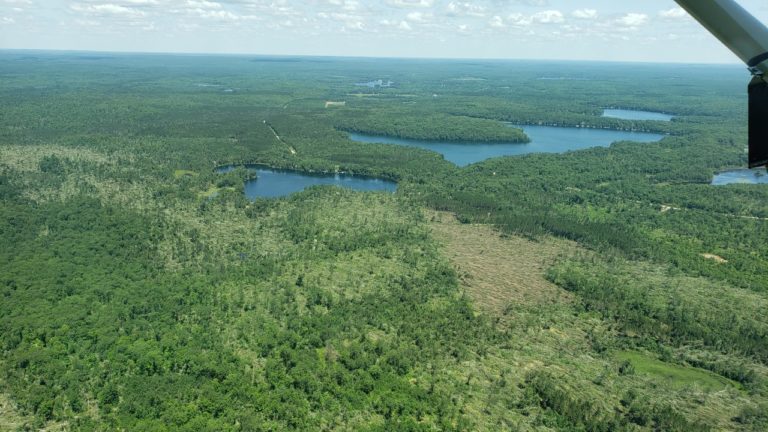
x=376, y=83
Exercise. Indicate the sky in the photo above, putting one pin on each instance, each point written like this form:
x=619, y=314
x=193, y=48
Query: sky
x=605, y=30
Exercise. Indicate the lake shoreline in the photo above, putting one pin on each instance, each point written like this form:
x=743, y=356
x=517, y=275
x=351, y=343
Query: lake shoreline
x=271, y=182
x=544, y=139
x=259, y=165
x=742, y=176
x=437, y=140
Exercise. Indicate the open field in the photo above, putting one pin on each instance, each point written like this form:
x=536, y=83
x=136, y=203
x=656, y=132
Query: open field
x=498, y=270
x=673, y=375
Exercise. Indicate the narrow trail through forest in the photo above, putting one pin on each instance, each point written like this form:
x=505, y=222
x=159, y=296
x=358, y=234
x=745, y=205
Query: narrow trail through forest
x=277, y=137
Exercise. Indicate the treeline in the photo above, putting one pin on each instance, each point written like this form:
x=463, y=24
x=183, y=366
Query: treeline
x=429, y=127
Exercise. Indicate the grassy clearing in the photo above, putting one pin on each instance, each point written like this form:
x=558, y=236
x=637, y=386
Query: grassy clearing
x=716, y=258
x=498, y=271
x=179, y=173
x=331, y=104
x=212, y=192
x=673, y=375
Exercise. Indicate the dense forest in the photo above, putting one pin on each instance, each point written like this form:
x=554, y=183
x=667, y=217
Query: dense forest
x=430, y=127
x=596, y=290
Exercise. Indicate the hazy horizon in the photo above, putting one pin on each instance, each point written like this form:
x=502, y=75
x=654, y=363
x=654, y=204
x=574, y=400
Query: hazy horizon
x=653, y=31
x=731, y=64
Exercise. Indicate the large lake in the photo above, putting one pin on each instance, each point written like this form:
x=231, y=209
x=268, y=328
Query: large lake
x=636, y=115
x=544, y=139
x=744, y=176
x=273, y=183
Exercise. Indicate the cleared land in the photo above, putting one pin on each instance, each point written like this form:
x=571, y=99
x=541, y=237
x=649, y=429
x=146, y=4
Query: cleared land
x=500, y=270
x=673, y=375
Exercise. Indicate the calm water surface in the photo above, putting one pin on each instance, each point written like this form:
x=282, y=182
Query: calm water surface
x=636, y=115
x=273, y=183
x=544, y=139
x=745, y=176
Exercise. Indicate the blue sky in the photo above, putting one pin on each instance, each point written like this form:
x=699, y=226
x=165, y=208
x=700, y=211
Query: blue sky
x=647, y=30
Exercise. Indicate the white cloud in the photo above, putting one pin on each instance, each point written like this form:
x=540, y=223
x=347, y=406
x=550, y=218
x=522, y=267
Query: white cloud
x=411, y=3
x=140, y=2
x=548, y=17
x=519, y=19
x=633, y=19
x=347, y=5
x=203, y=4
x=281, y=9
x=465, y=9
x=315, y=25
x=585, y=13
x=392, y=24
x=106, y=9
x=220, y=15
x=7, y=20
x=674, y=13
x=543, y=17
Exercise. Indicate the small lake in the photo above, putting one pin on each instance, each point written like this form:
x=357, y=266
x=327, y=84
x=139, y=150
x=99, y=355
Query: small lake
x=636, y=115
x=544, y=139
x=742, y=176
x=273, y=183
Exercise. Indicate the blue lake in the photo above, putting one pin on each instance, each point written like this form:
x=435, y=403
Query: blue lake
x=636, y=115
x=743, y=176
x=273, y=183
x=544, y=139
